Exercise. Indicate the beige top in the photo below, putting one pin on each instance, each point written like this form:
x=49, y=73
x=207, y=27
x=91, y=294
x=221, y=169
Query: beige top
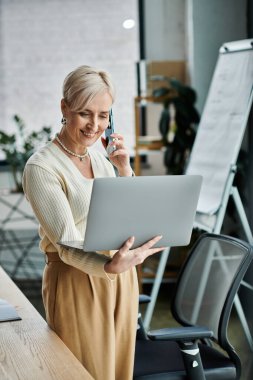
x=60, y=196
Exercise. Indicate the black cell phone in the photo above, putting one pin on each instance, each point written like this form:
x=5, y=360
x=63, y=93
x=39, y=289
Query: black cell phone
x=110, y=130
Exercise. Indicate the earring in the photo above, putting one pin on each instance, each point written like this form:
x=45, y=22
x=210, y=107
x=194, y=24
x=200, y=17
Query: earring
x=64, y=121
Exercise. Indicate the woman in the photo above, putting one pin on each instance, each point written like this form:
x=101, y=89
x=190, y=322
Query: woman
x=90, y=299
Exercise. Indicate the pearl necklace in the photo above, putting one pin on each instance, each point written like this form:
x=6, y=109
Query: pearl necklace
x=80, y=156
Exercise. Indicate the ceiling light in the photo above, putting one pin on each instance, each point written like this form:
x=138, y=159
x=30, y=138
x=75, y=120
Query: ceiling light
x=128, y=24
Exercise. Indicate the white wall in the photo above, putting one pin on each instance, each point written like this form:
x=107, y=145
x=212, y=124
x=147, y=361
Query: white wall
x=193, y=30
x=41, y=41
x=165, y=29
x=210, y=24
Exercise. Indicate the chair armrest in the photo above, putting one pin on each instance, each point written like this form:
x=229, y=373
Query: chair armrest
x=182, y=334
x=143, y=298
x=187, y=340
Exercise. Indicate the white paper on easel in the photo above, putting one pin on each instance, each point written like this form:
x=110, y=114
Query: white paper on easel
x=222, y=126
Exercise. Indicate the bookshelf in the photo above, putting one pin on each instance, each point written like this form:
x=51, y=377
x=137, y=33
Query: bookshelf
x=144, y=145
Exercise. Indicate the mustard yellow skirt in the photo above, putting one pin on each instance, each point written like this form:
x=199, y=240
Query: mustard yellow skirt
x=96, y=318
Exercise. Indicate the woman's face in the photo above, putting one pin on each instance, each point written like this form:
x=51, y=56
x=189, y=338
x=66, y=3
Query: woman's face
x=84, y=128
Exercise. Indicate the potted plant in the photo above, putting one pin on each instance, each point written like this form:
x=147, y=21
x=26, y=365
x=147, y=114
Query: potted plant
x=19, y=147
x=178, y=122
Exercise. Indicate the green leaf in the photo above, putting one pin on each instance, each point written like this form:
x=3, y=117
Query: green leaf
x=20, y=146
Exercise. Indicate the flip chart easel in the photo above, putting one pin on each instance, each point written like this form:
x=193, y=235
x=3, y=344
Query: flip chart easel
x=215, y=152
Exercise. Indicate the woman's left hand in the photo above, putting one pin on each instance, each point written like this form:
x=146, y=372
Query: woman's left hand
x=120, y=156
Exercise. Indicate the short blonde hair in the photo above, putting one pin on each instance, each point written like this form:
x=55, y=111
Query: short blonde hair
x=81, y=85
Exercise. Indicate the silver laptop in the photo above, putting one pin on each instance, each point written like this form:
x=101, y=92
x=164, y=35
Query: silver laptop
x=143, y=207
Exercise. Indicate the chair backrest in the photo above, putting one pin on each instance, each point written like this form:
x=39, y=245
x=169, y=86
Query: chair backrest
x=208, y=283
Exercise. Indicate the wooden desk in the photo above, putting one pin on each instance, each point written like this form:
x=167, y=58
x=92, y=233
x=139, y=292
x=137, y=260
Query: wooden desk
x=29, y=349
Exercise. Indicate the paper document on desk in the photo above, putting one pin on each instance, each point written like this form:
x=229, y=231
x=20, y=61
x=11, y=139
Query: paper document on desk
x=8, y=312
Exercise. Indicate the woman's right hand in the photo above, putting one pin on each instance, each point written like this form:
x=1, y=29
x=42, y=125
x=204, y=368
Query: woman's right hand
x=126, y=258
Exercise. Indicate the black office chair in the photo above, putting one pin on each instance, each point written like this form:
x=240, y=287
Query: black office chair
x=206, y=290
